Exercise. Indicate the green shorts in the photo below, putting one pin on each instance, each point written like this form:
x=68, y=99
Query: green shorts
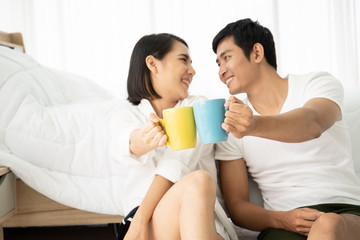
x=281, y=234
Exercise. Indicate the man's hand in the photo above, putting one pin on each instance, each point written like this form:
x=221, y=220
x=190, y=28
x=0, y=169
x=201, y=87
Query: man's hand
x=239, y=119
x=299, y=220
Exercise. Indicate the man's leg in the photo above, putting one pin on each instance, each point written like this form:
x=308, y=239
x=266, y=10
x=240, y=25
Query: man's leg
x=279, y=234
x=187, y=210
x=331, y=226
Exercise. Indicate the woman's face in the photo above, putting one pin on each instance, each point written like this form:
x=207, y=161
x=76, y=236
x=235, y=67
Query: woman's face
x=174, y=73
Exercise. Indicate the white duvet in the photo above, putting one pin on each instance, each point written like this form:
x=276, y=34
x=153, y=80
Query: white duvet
x=54, y=134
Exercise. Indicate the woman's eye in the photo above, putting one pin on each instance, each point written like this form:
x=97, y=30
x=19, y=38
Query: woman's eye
x=226, y=58
x=183, y=59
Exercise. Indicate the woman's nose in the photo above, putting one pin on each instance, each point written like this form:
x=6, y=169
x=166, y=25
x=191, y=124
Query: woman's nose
x=192, y=70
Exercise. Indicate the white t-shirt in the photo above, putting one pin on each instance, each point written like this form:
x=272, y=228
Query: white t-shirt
x=172, y=165
x=321, y=170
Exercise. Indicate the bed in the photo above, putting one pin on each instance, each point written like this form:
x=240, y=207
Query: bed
x=84, y=189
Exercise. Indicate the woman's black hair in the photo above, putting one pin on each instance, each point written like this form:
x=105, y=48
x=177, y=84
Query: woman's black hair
x=139, y=85
x=246, y=33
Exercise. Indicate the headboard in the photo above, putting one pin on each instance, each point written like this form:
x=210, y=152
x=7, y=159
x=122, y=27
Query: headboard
x=12, y=40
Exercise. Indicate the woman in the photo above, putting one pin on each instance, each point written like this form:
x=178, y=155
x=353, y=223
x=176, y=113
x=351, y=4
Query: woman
x=176, y=190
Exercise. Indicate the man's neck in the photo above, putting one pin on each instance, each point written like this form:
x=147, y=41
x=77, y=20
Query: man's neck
x=269, y=93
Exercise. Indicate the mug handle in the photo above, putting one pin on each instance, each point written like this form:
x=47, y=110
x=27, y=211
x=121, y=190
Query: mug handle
x=162, y=122
x=226, y=108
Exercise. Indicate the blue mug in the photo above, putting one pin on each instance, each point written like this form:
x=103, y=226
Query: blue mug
x=209, y=115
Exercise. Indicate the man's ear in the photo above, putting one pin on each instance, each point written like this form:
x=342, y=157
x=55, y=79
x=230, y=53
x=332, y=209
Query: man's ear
x=151, y=63
x=258, y=52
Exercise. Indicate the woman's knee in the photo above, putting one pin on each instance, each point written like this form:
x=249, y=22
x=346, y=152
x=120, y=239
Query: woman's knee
x=330, y=223
x=201, y=182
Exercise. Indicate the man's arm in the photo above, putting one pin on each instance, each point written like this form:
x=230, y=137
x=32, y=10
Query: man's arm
x=299, y=125
x=234, y=184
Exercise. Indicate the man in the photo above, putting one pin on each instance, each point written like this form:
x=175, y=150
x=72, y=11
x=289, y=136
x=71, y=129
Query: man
x=293, y=142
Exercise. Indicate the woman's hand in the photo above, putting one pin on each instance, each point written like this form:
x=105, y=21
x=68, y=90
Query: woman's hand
x=153, y=134
x=145, y=139
x=299, y=220
x=137, y=231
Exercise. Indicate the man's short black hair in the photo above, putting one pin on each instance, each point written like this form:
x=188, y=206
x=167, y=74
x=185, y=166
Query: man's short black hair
x=246, y=33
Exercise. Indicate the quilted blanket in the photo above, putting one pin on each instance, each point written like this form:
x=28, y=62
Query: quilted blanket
x=55, y=133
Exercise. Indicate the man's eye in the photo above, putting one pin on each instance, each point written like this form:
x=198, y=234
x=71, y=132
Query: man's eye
x=183, y=59
x=226, y=58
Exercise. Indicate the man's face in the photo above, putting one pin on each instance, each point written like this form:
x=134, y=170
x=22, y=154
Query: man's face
x=235, y=70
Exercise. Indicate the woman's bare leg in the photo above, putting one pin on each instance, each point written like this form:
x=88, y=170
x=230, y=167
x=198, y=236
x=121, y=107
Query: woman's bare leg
x=187, y=210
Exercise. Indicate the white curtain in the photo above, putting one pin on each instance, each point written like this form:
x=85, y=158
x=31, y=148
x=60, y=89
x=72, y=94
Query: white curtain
x=94, y=38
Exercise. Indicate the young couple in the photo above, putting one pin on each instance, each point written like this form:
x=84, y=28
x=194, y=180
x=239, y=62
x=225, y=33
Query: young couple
x=288, y=134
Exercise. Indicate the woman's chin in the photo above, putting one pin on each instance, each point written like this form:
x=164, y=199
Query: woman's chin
x=184, y=95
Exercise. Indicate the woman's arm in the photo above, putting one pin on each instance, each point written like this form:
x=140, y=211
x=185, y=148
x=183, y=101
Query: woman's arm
x=139, y=225
x=148, y=137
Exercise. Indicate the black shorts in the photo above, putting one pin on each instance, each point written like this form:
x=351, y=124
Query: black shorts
x=122, y=228
x=280, y=234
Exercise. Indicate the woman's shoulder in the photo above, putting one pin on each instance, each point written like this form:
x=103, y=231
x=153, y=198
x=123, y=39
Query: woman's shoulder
x=132, y=113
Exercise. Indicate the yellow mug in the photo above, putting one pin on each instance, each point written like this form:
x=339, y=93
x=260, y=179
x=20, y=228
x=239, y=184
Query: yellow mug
x=179, y=124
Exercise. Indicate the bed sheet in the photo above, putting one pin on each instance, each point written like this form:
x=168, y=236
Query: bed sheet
x=55, y=136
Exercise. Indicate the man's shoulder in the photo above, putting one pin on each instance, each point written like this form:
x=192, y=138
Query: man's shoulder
x=317, y=80
x=310, y=76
